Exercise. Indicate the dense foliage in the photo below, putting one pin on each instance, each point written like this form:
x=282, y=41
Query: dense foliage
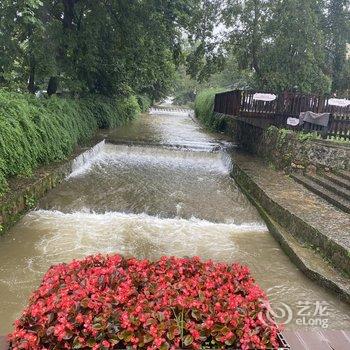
x=291, y=44
x=109, y=47
x=114, y=303
x=204, y=105
x=295, y=45
x=39, y=131
x=144, y=102
x=113, y=47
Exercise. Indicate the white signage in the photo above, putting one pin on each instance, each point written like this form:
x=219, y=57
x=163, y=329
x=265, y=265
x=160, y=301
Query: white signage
x=340, y=102
x=293, y=121
x=264, y=97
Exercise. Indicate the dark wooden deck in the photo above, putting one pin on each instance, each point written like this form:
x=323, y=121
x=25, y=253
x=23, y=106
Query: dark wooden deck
x=3, y=343
x=298, y=340
x=322, y=340
x=241, y=105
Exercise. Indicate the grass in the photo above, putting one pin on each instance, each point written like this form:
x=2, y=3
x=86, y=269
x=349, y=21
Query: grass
x=35, y=132
x=204, y=105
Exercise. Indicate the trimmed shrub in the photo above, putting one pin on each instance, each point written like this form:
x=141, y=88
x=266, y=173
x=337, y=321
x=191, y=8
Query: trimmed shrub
x=144, y=102
x=109, y=302
x=112, y=113
x=40, y=131
x=185, y=98
x=204, y=105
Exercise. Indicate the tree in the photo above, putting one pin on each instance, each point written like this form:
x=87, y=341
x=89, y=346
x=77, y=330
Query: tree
x=295, y=56
x=17, y=20
x=281, y=41
x=248, y=22
x=107, y=47
x=338, y=34
x=204, y=54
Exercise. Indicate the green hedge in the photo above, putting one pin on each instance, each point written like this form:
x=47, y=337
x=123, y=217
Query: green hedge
x=144, y=102
x=40, y=131
x=112, y=113
x=204, y=105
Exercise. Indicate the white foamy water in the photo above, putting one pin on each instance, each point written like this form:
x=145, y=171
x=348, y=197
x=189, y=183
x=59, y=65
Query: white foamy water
x=142, y=235
x=155, y=180
x=171, y=111
x=59, y=237
x=45, y=237
x=109, y=154
x=84, y=161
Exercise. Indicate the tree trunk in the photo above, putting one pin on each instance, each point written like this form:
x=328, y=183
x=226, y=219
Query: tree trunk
x=256, y=41
x=31, y=81
x=69, y=13
x=2, y=78
x=52, y=86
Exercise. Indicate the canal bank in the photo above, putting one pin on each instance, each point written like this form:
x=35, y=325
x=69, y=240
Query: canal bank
x=314, y=234
x=24, y=193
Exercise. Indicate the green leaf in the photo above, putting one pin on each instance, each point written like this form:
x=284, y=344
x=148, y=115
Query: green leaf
x=170, y=335
x=160, y=316
x=188, y=340
x=85, y=302
x=147, y=338
x=91, y=342
x=76, y=343
x=230, y=341
x=125, y=335
x=195, y=314
x=164, y=346
x=97, y=326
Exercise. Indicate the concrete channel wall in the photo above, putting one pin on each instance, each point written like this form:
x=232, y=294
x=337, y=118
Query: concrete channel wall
x=288, y=150
x=23, y=198
x=319, y=247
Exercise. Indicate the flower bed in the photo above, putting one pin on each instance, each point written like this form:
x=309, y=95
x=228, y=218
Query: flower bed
x=109, y=302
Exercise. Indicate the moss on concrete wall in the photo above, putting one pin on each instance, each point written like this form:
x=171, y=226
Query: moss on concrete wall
x=288, y=150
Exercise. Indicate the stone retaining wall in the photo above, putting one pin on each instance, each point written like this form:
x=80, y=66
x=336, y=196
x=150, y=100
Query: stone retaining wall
x=301, y=230
x=310, y=246
x=19, y=201
x=14, y=206
x=286, y=149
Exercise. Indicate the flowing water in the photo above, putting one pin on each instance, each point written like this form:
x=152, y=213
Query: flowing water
x=149, y=201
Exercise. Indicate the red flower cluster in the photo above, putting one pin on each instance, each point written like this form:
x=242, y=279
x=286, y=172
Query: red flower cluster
x=109, y=302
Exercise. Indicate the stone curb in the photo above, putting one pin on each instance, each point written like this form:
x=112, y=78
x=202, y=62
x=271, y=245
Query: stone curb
x=304, y=232
x=18, y=203
x=311, y=263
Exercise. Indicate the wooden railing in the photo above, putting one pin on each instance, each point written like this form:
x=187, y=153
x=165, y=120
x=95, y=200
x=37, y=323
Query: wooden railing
x=240, y=104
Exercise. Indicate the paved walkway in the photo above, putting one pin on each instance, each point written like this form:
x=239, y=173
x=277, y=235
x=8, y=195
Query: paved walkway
x=322, y=340
x=324, y=226
x=297, y=340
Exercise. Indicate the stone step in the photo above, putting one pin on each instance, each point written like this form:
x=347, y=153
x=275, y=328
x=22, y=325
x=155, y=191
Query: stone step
x=330, y=185
x=338, y=201
x=344, y=174
x=4, y=345
x=340, y=181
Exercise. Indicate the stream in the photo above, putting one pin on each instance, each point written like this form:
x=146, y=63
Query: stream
x=168, y=193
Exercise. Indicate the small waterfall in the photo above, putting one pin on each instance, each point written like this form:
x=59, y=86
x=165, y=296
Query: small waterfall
x=106, y=154
x=172, y=111
x=85, y=159
x=159, y=151
x=227, y=160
